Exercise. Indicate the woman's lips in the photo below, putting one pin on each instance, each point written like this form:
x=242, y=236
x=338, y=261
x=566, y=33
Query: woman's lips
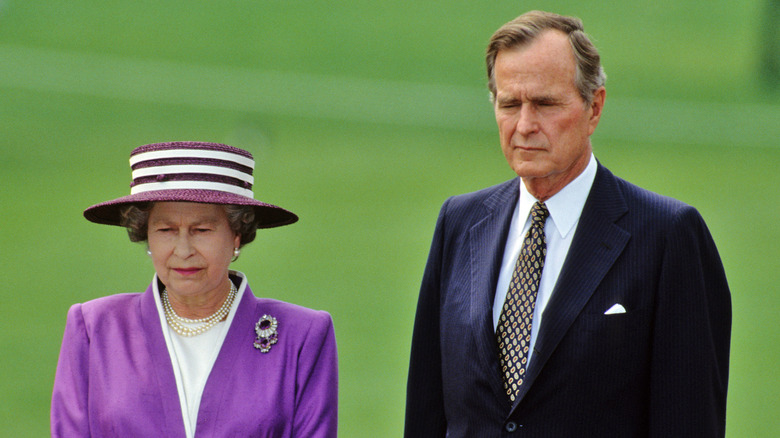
x=187, y=271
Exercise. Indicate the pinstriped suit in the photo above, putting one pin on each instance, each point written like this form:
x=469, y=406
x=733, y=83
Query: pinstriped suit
x=660, y=369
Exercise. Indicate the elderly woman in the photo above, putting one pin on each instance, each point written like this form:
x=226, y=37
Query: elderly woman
x=197, y=354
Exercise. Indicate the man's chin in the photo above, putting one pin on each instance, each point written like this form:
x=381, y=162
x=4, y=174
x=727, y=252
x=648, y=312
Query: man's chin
x=528, y=170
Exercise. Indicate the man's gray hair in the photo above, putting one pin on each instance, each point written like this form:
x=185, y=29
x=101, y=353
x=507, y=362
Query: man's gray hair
x=525, y=28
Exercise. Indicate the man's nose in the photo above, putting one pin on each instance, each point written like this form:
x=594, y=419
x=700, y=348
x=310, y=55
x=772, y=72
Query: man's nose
x=527, y=120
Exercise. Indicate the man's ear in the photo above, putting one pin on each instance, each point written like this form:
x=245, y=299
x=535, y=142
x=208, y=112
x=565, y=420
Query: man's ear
x=596, y=108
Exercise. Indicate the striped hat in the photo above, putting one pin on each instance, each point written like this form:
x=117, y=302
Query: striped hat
x=186, y=171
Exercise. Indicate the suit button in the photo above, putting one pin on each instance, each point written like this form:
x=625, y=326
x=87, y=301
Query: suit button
x=511, y=426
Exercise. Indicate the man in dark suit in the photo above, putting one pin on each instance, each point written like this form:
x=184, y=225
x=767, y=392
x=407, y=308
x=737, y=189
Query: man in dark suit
x=604, y=312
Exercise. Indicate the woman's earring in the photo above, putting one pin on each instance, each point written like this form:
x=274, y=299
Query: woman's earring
x=236, y=252
x=149, y=252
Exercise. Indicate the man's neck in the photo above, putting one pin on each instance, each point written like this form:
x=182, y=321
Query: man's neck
x=544, y=188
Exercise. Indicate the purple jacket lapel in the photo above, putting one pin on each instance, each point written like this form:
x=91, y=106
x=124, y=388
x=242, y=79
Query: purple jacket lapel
x=239, y=337
x=161, y=364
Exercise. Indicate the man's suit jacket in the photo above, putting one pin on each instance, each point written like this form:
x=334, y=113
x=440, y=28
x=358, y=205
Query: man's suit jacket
x=660, y=369
x=115, y=378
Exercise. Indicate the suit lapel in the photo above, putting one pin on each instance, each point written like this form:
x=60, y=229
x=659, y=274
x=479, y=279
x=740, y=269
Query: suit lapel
x=487, y=240
x=240, y=337
x=597, y=244
x=161, y=363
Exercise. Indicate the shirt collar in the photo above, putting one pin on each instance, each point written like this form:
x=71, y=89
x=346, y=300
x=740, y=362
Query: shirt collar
x=566, y=206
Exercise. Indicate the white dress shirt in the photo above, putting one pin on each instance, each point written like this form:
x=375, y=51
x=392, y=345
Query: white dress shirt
x=565, y=208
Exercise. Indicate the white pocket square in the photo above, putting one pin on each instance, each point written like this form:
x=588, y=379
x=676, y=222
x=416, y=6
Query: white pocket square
x=615, y=309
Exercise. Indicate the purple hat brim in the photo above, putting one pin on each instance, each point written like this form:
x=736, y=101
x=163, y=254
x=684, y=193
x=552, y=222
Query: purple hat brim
x=266, y=215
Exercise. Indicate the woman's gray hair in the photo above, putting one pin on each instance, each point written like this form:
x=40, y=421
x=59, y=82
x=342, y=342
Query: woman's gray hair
x=241, y=218
x=525, y=28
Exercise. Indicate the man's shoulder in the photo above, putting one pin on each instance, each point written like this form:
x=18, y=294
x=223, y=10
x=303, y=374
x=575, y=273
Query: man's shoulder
x=637, y=196
x=460, y=212
x=489, y=196
x=646, y=205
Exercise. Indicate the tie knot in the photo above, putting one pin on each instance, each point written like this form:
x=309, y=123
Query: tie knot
x=539, y=213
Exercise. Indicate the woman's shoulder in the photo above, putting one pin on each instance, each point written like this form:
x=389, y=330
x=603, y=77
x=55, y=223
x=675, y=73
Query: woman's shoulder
x=290, y=310
x=294, y=319
x=106, y=307
x=112, y=301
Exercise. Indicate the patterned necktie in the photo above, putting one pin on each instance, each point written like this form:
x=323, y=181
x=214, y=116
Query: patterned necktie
x=514, y=324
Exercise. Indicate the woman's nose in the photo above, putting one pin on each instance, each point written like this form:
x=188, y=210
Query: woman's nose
x=183, y=246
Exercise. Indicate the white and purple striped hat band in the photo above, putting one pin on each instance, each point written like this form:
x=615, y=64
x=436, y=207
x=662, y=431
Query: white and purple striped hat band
x=219, y=169
x=191, y=172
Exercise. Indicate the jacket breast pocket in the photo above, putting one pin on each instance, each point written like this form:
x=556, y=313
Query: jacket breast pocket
x=616, y=322
x=616, y=334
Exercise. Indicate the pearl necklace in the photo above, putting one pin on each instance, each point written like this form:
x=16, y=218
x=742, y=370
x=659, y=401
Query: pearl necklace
x=177, y=323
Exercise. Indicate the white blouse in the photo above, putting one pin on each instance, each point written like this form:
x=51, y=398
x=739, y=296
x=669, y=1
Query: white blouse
x=193, y=357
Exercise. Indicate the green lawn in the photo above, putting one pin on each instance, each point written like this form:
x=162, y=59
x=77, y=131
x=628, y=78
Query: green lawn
x=363, y=118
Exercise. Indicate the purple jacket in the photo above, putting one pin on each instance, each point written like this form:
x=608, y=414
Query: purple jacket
x=115, y=378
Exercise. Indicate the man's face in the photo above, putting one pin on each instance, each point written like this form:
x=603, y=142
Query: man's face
x=543, y=123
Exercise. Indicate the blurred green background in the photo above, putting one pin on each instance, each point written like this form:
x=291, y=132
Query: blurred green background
x=363, y=117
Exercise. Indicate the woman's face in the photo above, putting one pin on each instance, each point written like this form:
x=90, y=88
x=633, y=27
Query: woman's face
x=192, y=246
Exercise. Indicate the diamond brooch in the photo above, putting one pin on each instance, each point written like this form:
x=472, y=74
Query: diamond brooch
x=267, y=334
